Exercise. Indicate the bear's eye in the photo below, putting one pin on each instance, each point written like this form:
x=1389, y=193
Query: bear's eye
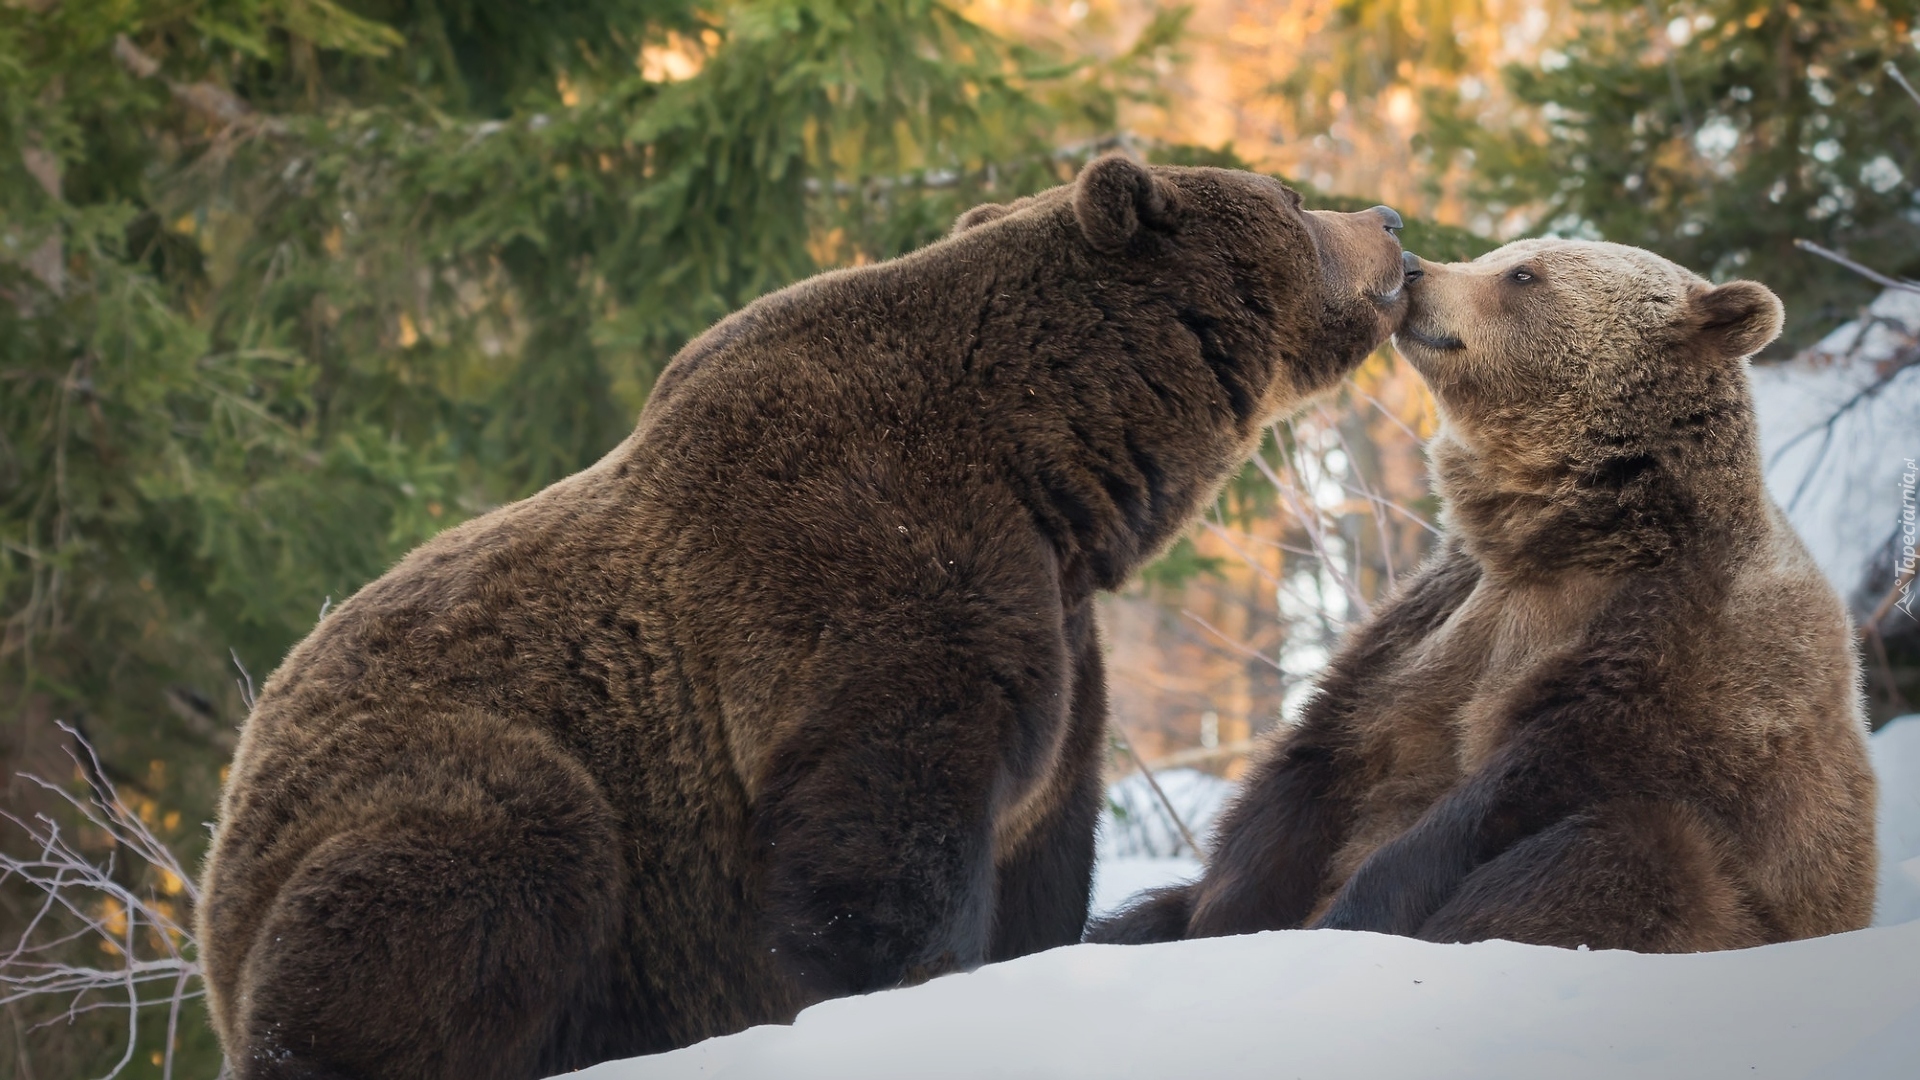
x=1520, y=275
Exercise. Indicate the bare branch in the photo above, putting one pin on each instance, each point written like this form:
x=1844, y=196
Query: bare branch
x=1893, y=70
x=1864, y=271
x=86, y=910
x=246, y=687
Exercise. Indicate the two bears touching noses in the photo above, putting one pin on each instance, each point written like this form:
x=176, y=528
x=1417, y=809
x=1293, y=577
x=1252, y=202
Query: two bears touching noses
x=798, y=692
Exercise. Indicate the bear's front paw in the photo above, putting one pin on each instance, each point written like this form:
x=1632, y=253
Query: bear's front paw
x=1380, y=900
x=1348, y=914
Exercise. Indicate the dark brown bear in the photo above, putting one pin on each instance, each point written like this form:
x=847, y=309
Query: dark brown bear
x=1619, y=706
x=797, y=692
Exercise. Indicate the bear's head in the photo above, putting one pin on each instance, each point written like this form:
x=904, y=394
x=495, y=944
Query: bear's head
x=1147, y=322
x=1316, y=291
x=1593, y=398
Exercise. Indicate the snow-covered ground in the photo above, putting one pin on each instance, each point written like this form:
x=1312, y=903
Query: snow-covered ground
x=1327, y=1004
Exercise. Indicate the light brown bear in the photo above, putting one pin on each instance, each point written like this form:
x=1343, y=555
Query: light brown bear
x=797, y=692
x=1619, y=706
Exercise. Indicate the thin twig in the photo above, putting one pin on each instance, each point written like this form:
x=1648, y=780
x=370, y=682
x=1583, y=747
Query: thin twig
x=1867, y=272
x=1826, y=427
x=246, y=689
x=1239, y=647
x=1165, y=803
x=1893, y=70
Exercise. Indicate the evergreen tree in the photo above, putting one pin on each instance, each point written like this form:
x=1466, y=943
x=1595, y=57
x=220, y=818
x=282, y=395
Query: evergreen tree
x=1717, y=132
x=286, y=286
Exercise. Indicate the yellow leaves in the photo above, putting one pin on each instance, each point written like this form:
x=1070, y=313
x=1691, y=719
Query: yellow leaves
x=824, y=248
x=224, y=771
x=677, y=58
x=1755, y=19
x=334, y=242
x=569, y=93
x=170, y=821
x=113, y=921
x=1402, y=110
x=171, y=883
x=832, y=248
x=409, y=334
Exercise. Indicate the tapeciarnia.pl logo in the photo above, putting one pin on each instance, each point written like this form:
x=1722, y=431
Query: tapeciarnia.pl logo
x=1904, y=559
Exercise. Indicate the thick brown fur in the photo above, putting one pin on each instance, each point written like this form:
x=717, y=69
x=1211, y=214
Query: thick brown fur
x=1619, y=706
x=798, y=691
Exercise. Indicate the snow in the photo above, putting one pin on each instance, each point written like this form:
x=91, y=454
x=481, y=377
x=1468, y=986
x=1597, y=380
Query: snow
x=1896, y=760
x=1841, y=487
x=1114, y=880
x=1329, y=1005
x=1135, y=822
x=1139, y=846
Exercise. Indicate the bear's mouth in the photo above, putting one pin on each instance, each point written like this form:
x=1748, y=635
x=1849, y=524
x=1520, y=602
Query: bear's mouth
x=1432, y=342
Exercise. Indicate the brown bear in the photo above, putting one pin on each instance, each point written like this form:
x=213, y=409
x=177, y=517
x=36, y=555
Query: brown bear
x=1619, y=706
x=797, y=692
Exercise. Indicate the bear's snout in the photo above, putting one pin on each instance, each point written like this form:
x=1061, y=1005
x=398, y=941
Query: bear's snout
x=1359, y=252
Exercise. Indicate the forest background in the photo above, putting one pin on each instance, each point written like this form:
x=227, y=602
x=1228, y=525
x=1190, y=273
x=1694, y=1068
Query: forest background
x=287, y=286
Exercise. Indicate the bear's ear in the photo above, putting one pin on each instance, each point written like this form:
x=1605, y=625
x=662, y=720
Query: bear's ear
x=1115, y=195
x=1737, y=319
x=980, y=215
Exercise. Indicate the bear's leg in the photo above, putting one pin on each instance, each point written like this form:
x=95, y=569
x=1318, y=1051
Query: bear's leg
x=875, y=815
x=450, y=931
x=1632, y=874
x=1273, y=847
x=880, y=863
x=1044, y=885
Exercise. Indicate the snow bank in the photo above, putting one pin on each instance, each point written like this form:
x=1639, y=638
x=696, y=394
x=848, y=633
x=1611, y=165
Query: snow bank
x=1328, y=1004
x=1896, y=760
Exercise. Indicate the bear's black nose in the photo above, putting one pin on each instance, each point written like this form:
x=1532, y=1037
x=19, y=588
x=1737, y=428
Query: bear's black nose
x=1391, y=216
x=1412, y=263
